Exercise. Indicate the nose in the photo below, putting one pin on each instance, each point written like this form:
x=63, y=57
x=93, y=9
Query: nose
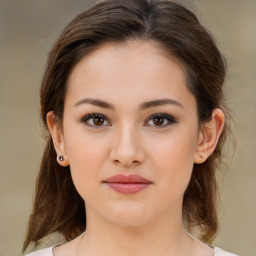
x=127, y=149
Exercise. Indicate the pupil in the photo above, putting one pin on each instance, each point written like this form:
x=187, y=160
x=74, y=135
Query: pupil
x=98, y=121
x=158, y=120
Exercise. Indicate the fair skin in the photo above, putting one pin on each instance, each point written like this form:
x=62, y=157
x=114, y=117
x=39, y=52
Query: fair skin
x=125, y=139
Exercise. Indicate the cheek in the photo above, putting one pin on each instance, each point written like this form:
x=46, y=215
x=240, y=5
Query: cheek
x=86, y=157
x=174, y=161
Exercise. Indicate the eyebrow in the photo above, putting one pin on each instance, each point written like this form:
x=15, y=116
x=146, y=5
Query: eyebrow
x=95, y=102
x=143, y=106
x=160, y=102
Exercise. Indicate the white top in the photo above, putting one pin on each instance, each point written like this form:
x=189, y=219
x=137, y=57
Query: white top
x=48, y=252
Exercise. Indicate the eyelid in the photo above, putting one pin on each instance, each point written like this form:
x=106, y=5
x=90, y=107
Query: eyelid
x=171, y=120
x=87, y=117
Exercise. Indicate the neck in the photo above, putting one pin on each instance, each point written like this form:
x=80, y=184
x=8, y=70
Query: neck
x=164, y=236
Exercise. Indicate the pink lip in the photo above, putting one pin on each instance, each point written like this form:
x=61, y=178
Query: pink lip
x=127, y=184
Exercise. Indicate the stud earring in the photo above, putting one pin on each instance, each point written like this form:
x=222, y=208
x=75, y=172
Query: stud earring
x=61, y=158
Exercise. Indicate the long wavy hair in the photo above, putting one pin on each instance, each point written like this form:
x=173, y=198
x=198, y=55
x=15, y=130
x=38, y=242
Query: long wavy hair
x=57, y=204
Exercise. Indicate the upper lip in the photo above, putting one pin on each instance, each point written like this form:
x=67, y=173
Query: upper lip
x=133, y=178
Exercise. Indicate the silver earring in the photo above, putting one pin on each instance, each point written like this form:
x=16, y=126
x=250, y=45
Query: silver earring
x=61, y=158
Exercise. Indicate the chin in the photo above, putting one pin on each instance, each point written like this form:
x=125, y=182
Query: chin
x=130, y=217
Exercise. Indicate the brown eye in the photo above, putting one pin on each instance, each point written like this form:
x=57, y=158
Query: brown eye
x=158, y=121
x=98, y=121
x=95, y=120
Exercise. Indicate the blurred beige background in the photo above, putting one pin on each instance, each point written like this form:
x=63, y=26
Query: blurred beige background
x=27, y=31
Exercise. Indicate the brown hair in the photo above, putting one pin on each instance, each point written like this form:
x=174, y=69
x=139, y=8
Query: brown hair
x=57, y=205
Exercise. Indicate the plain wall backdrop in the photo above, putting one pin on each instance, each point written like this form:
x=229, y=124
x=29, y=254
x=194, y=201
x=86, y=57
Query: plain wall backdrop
x=27, y=31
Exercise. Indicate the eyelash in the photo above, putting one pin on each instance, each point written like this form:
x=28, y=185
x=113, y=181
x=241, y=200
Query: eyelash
x=168, y=120
x=86, y=118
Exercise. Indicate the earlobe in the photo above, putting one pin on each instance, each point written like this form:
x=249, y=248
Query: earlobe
x=209, y=135
x=57, y=138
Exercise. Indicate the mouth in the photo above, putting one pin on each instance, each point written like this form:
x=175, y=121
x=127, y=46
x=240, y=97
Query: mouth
x=127, y=184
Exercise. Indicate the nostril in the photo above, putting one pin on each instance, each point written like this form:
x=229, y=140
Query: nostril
x=126, y=163
x=126, y=151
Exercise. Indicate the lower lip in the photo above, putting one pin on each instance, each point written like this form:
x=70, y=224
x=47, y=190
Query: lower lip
x=128, y=188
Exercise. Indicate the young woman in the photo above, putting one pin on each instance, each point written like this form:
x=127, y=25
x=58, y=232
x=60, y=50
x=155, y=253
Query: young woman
x=132, y=98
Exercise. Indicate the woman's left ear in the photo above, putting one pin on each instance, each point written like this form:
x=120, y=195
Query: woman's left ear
x=208, y=137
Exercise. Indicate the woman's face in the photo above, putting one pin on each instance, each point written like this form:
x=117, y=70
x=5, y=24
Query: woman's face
x=128, y=112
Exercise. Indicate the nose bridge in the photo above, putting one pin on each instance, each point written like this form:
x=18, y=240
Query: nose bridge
x=127, y=148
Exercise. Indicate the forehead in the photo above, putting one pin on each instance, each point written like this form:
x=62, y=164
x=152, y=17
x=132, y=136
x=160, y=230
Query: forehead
x=135, y=66
x=116, y=56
